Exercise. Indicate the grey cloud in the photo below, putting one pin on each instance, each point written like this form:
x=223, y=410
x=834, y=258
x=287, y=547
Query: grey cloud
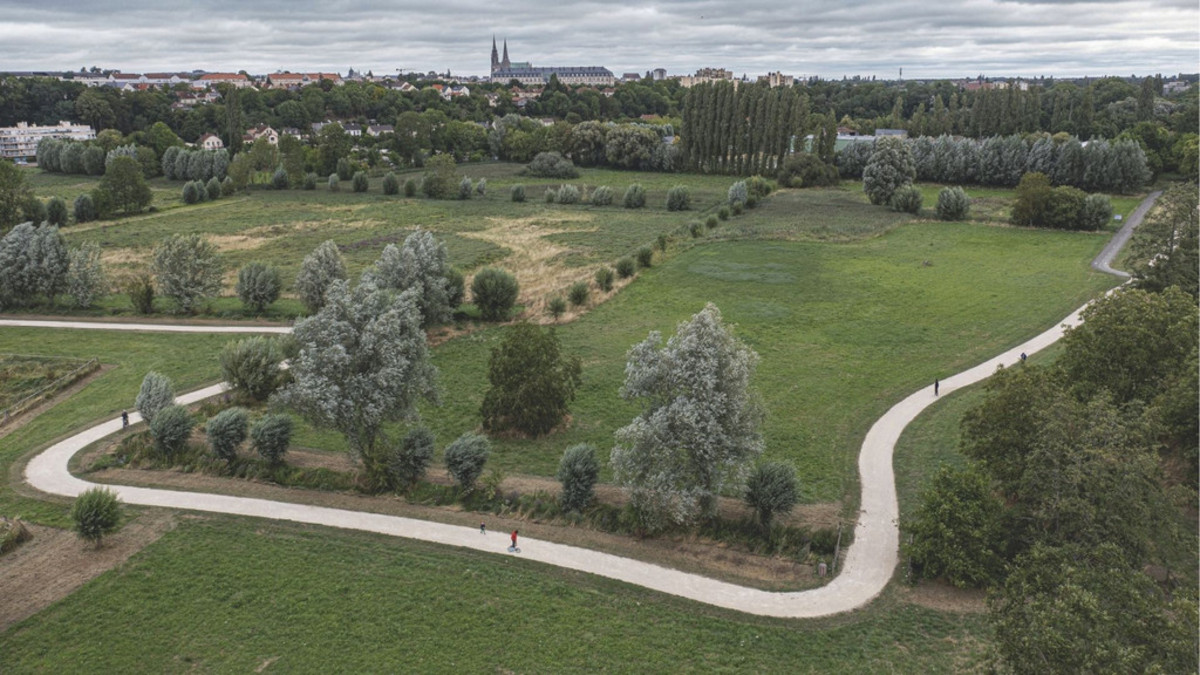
x=806, y=37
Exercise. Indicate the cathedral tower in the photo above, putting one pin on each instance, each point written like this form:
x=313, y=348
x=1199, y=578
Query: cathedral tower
x=495, y=55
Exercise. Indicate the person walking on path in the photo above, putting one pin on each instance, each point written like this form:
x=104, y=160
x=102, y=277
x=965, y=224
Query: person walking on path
x=514, y=541
x=936, y=386
x=124, y=418
x=483, y=528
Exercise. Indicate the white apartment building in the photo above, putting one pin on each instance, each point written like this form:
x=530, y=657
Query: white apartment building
x=21, y=141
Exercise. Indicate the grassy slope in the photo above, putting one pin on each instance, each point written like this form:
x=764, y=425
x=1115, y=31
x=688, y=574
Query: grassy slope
x=315, y=600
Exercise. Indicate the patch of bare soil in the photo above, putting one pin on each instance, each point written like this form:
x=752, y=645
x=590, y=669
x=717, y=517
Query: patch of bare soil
x=55, y=562
x=944, y=597
x=29, y=415
x=689, y=553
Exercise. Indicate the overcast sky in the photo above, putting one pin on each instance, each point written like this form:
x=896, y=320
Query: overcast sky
x=927, y=38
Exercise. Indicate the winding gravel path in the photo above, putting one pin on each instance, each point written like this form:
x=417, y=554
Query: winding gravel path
x=869, y=564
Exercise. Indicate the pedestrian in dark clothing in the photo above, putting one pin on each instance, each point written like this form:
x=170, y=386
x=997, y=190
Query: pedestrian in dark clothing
x=482, y=528
x=1023, y=357
x=124, y=418
x=936, y=386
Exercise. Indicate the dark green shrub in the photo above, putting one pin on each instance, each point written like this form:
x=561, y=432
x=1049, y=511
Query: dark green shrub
x=465, y=458
x=494, y=292
x=759, y=186
x=213, y=188
x=531, y=382
x=1096, y=212
x=252, y=366
x=736, y=208
x=190, y=194
x=270, y=437
x=556, y=307
x=56, y=212
x=679, y=198
x=171, y=428
x=635, y=197
x=661, y=243
x=410, y=187
x=95, y=513
x=410, y=459
x=603, y=196
x=456, y=288
x=711, y=222
x=953, y=204
x=578, y=471
x=225, y=431
x=279, y=179
x=310, y=181
x=751, y=201
x=551, y=165
x=360, y=182
x=906, y=199
x=1065, y=209
x=333, y=182
x=201, y=193
x=550, y=195
x=568, y=194
x=723, y=213
x=85, y=209
x=391, y=185
x=824, y=541
x=626, y=267
x=140, y=288
x=228, y=188
x=345, y=170
x=517, y=193
x=578, y=293
x=695, y=229
x=604, y=279
x=770, y=490
x=644, y=256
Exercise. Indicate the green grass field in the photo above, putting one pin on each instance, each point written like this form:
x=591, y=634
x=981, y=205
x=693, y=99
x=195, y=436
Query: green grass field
x=851, y=308
x=221, y=595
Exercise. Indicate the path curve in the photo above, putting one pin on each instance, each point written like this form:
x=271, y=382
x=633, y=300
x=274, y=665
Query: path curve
x=869, y=565
x=1103, y=262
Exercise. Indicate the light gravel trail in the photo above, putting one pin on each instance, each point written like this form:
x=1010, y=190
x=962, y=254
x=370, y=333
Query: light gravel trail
x=869, y=565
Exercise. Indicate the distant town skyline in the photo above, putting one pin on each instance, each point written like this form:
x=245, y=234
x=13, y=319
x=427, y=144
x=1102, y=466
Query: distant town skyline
x=1029, y=38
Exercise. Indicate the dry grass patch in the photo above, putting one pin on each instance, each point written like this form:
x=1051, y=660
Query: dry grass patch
x=536, y=262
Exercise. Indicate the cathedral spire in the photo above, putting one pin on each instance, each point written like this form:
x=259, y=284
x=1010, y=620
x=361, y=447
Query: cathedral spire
x=495, y=55
x=505, y=63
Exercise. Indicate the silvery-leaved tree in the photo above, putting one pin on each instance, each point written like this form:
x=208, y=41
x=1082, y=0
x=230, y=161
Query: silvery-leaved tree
x=699, y=431
x=419, y=264
x=188, y=270
x=318, y=270
x=362, y=362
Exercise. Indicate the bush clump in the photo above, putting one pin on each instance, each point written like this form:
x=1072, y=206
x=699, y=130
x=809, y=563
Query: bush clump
x=410, y=459
x=310, y=181
x=679, y=198
x=736, y=208
x=279, y=179
x=1096, y=212
x=156, y=393
x=770, y=490
x=953, y=204
x=481, y=187
x=258, y=286
x=517, y=193
x=410, y=187
x=225, y=431
x=391, y=185
x=723, y=213
x=252, y=365
x=578, y=293
x=171, y=428
x=759, y=187
x=645, y=256
x=711, y=222
x=213, y=189
x=270, y=437
x=906, y=199
x=695, y=229
x=568, y=194
x=550, y=195
x=360, y=182
x=635, y=197
x=140, y=288
x=56, y=212
x=465, y=188
x=465, y=458
x=85, y=209
x=604, y=279
x=333, y=182
x=95, y=513
x=190, y=194
x=578, y=471
x=603, y=196
x=551, y=165
x=738, y=192
x=556, y=307
x=626, y=267
x=494, y=292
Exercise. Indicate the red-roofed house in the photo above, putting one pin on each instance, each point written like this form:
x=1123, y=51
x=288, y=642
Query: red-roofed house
x=261, y=131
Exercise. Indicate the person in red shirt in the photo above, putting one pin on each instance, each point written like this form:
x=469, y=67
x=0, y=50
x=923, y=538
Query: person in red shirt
x=514, y=539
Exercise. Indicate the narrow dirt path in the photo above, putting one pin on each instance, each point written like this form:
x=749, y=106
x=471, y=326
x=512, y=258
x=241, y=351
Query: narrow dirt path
x=868, y=568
